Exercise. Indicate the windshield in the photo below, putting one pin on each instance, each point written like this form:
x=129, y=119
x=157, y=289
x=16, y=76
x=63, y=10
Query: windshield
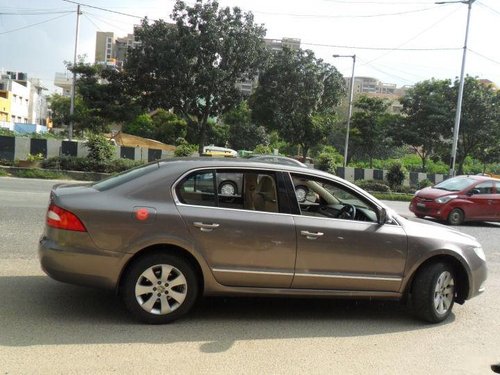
x=125, y=176
x=455, y=184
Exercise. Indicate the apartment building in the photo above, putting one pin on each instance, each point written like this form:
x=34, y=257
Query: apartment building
x=21, y=99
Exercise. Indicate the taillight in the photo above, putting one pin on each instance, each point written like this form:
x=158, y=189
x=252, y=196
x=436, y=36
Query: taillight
x=60, y=218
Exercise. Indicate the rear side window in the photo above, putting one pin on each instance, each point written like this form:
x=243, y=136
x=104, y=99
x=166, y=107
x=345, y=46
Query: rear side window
x=198, y=189
x=126, y=176
x=236, y=189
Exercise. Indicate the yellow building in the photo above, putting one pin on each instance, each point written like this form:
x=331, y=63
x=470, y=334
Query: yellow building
x=4, y=105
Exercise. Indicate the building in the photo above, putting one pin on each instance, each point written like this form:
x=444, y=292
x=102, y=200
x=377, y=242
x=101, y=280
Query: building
x=111, y=50
x=21, y=100
x=247, y=87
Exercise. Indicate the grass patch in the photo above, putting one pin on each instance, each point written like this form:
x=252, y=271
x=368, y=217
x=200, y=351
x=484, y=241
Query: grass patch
x=393, y=196
x=3, y=173
x=39, y=173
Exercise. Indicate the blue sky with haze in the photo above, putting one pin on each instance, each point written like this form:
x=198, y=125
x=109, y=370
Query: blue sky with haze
x=377, y=31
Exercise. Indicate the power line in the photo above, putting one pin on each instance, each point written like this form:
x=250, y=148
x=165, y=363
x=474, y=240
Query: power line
x=373, y=2
x=104, y=9
x=414, y=37
x=92, y=22
x=381, y=48
x=33, y=24
x=34, y=13
x=341, y=16
x=488, y=7
x=484, y=57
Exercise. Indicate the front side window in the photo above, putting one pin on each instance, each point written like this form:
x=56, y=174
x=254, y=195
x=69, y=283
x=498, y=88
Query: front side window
x=484, y=188
x=235, y=189
x=323, y=198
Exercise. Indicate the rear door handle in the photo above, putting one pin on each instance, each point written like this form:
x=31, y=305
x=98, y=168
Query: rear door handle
x=205, y=227
x=311, y=235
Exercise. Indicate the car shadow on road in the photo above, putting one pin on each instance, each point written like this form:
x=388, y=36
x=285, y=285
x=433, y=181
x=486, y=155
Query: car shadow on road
x=36, y=310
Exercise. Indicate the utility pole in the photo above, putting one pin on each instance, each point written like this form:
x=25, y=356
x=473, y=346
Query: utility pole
x=349, y=111
x=73, y=86
x=458, y=114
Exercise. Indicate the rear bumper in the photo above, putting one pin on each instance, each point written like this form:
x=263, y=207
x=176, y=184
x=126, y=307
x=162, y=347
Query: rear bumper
x=86, y=267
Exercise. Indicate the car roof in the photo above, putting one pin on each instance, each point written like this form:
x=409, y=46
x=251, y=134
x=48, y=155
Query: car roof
x=188, y=163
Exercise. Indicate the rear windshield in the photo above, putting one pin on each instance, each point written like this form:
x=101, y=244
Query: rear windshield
x=126, y=176
x=455, y=184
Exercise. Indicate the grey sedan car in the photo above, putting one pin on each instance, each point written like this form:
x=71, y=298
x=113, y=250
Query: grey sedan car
x=162, y=237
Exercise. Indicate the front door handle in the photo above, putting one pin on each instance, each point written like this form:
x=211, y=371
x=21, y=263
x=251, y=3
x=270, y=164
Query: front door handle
x=311, y=235
x=204, y=227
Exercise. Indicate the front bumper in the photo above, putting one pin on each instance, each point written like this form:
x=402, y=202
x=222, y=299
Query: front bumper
x=433, y=209
x=96, y=268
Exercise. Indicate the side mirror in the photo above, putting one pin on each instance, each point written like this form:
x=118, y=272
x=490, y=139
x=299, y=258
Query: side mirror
x=473, y=191
x=381, y=215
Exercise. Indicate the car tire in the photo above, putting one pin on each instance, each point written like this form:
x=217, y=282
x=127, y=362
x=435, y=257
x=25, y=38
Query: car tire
x=159, y=288
x=433, y=292
x=228, y=188
x=456, y=217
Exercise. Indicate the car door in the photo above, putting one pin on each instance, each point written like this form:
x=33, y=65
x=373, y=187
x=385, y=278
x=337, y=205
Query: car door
x=483, y=199
x=336, y=250
x=245, y=238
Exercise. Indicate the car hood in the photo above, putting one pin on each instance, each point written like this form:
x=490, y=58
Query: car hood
x=421, y=228
x=432, y=193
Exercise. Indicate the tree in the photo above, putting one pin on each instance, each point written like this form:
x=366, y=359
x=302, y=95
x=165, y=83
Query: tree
x=167, y=127
x=296, y=96
x=479, y=125
x=102, y=93
x=243, y=133
x=427, y=107
x=370, y=122
x=194, y=65
x=60, y=111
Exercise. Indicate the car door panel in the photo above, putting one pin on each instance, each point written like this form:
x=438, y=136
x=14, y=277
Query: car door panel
x=349, y=255
x=244, y=248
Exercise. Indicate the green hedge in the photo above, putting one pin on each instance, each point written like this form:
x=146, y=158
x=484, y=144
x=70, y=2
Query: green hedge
x=71, y=163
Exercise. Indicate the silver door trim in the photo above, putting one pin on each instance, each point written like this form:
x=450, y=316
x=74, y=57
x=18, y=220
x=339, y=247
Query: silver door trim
x=271, y=273
x=354, y=277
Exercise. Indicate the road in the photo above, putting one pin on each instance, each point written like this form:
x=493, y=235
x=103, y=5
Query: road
x=48, y=327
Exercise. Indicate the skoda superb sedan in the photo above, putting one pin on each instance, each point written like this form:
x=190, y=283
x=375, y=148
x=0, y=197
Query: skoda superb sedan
x=460, y=199
x=161, y=237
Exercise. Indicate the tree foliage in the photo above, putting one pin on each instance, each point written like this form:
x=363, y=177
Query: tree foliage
x=244, y=134
x=480, y=123
x=296, y=96
x=428, y=108
x=104, y=100
x=370, y=128
x=194, y=65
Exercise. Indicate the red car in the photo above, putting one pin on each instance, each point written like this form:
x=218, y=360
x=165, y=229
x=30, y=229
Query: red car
x=459, y=199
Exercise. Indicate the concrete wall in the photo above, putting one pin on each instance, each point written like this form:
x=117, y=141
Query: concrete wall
x=12, y=148
x=18, y=148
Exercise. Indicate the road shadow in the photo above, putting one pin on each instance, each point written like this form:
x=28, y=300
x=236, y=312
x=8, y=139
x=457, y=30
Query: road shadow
x=477, y=224
x=36, y=310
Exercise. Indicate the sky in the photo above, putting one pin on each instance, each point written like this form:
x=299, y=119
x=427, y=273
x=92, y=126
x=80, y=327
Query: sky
x=401, y=42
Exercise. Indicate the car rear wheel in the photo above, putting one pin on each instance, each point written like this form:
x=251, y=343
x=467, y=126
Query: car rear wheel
x=456, y=217
x=433, y=292
x=160, y=288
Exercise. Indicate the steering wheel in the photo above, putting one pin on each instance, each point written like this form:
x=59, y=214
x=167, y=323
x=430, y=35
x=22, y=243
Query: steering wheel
x=347, y=212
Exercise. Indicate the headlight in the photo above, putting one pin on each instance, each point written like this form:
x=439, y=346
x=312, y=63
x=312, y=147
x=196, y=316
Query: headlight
x=445, y=199
x=480, y=253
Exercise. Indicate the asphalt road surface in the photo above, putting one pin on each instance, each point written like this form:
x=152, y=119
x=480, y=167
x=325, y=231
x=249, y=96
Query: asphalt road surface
x=47, y=327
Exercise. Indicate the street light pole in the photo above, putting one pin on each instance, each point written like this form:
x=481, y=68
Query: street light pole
x=458, y=114
x=73, y=86
x=349, y=111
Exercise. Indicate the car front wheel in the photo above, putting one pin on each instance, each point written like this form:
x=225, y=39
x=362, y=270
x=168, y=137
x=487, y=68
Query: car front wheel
x=456, y=216
x=433, y=292
x=160, y=288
